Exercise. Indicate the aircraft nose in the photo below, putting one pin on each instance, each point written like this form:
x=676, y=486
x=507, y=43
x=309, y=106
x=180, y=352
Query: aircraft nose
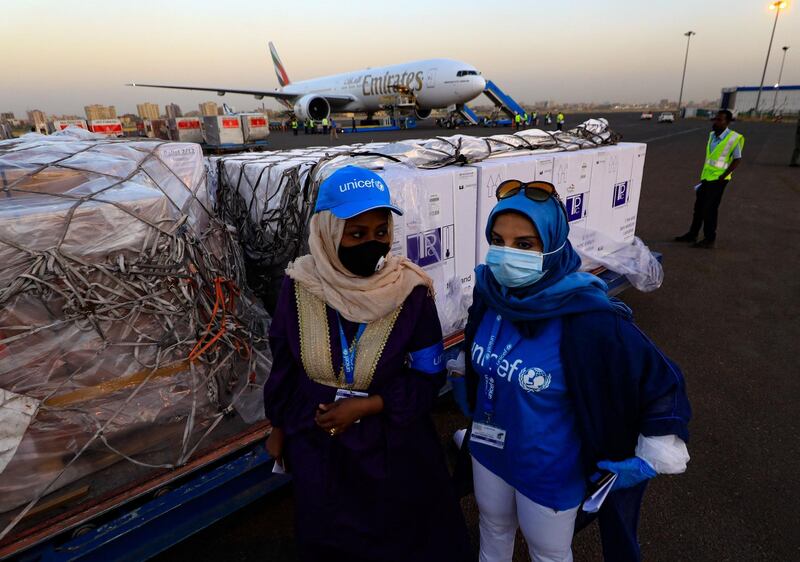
x=480, y=84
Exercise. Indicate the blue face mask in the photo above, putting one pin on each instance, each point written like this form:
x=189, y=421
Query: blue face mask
x=516, y=268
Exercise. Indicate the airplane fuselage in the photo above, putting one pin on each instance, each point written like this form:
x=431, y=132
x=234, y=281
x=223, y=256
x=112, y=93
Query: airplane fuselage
x=435, y=83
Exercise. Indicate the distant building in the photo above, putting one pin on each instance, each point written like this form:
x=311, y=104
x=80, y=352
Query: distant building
x=173, y=110
x=8, y=116
x=742, y=99
x=37, y=117
x=208, y=108
x=148, y=110
x=97, y=111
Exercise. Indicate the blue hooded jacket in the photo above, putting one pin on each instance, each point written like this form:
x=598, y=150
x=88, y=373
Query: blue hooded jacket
x=622, y=385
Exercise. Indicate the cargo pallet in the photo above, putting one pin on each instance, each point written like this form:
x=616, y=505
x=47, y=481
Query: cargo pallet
x=148, y=517
x=255, y=146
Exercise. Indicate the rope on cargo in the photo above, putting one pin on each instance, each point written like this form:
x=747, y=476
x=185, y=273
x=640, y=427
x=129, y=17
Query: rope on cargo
x=172, y=305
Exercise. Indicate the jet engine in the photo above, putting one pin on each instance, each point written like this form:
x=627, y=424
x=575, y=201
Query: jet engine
x=312, y=107
x=421, y=113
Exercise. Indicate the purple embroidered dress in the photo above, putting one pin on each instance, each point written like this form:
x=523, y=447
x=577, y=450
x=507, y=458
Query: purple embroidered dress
x=381, y=489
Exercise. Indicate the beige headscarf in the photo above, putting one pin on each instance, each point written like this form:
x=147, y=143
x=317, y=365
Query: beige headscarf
x=358, y=299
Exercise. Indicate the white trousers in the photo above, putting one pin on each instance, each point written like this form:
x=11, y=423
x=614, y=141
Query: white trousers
x=503, y=509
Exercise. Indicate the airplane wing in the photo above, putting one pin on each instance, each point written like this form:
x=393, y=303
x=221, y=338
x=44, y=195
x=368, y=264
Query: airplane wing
x=334, y=100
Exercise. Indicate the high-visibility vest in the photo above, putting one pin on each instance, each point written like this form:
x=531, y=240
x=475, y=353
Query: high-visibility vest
x=524, y=116
x=560, y=118
x=718, y=160
x=325, y=122
x=294, y=123
x=517, y=118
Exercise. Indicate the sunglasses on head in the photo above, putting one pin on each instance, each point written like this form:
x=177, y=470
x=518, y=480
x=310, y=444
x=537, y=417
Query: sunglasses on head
x=539, y=191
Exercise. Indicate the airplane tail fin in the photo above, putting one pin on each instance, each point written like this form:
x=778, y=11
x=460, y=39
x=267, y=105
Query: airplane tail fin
x=283, y=78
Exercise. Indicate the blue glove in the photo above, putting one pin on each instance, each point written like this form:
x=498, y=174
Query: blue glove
x=630, y=472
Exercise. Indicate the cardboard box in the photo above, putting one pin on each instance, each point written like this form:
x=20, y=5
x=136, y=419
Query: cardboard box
x=616, y=187
x=186, y=129
x=61, y=124
x=255, y=126
x=600, y=189
x=108, y=127
x=223, y=129
x=492, y=172
x=437, y=231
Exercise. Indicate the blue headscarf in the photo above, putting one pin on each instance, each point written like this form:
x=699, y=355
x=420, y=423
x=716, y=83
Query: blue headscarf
x=563, y=289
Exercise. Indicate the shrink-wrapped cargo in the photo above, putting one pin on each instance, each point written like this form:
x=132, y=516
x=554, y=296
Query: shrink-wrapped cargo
x=123, y=330
x=269, y=196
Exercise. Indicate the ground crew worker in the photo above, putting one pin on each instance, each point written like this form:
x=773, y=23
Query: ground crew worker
x=517, y=120
x=525, y=119
x=294, y=126
x=723, y=154
x=796, y=154
x=547, y=118
x=534, y=119
x=324, y=125
x=560, y=121
x=334, y=132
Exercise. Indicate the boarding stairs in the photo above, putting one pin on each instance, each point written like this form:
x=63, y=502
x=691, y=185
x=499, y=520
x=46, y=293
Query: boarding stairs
x=467, y=114
x=502, y=100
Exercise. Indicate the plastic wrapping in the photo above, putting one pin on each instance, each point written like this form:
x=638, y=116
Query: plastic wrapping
x=269, y=196
x=121, y=313
x=667, y=454
x=634, y=260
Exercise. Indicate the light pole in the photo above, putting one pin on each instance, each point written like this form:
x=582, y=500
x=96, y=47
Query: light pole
x=688, y=35
x=778, y=84
x=777, y=6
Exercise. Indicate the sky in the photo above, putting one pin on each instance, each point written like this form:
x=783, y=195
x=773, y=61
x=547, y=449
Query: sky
x=59, y=55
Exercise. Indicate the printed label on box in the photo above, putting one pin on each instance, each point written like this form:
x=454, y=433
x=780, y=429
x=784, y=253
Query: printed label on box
x=430, y=247
x=620, y=194
x=576, y=207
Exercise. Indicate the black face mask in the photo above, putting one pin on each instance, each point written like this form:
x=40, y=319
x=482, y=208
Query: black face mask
x=362, y=259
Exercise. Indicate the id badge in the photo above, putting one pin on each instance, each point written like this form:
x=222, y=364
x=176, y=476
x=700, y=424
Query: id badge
x=488, y=434
x=342, y=393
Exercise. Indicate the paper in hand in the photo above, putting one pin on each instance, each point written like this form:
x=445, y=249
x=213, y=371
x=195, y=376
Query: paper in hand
x=698, y=186
x=593, y=502
x=278, y=467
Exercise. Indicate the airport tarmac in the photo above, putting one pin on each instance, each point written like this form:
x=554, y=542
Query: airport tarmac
x=728, y=317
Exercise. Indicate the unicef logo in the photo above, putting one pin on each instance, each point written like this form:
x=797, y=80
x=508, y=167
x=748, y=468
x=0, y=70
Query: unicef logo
x=534, y=380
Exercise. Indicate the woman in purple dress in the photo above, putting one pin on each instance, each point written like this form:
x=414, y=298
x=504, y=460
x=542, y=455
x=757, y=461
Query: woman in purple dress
x=357, y=349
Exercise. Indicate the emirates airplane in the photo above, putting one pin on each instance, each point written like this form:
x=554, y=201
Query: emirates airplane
x=414, y=87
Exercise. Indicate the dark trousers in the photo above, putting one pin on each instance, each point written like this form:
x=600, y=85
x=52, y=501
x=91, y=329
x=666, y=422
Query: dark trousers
x=795, y=155
x=706, y=208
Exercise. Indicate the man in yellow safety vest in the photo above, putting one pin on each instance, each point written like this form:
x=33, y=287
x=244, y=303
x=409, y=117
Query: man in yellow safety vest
x=294, y=126
x=517, y=120
x=723, y=154
x=324, y=125
x=560, y=121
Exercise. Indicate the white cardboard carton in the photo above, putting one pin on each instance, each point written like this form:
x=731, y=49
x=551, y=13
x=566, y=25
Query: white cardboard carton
x=599, y=187
x=223, y=129
x=616, y=187
x=437, y=231
x=255, y=126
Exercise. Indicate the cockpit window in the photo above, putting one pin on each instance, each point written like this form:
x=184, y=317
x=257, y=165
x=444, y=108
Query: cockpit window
x=467, y=73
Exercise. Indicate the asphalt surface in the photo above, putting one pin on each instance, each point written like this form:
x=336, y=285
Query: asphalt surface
x=728, y=316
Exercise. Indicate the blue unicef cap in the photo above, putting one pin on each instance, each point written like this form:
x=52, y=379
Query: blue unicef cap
x=351, y=191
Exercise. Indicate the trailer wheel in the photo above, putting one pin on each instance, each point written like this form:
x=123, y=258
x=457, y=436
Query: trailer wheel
x=83, y=530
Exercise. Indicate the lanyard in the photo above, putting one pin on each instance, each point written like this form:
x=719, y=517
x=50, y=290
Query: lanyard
x=488, y=402
x=348, y=353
